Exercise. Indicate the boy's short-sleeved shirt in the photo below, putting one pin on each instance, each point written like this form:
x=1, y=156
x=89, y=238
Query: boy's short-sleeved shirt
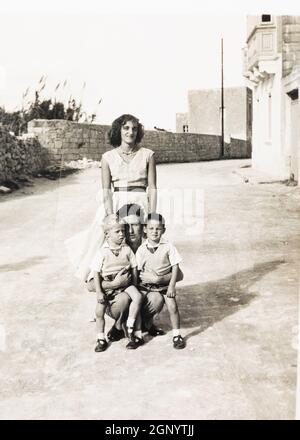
x=159, y=258
x=109, y=261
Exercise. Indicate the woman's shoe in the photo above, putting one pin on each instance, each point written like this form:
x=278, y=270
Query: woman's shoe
x=101, y=345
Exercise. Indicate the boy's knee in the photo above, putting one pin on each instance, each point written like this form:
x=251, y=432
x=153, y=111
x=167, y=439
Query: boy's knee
x=135, y=295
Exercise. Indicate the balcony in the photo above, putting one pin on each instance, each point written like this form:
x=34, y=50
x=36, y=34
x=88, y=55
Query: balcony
x=261, y=47
x=260, y=56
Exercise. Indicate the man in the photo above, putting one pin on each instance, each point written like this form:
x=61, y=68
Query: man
x=153, y=301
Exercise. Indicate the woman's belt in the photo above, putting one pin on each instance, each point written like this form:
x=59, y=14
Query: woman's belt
x=130, y=188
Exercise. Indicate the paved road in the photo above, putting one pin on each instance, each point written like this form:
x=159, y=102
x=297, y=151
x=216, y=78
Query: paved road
x=238, y=303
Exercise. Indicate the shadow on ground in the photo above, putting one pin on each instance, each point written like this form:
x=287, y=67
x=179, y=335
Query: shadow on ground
x=202, y=305
x=21, y=265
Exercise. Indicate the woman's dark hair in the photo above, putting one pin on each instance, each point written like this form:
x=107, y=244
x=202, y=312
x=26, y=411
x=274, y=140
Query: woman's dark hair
x=114, y=134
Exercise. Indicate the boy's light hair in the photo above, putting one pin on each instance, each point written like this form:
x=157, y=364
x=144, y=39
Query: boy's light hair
x=110, y=221
x=157, y=217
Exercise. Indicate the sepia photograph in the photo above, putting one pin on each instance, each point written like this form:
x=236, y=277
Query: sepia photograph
x=167, y=134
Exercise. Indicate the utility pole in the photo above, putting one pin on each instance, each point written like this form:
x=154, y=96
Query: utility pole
x=222, y=101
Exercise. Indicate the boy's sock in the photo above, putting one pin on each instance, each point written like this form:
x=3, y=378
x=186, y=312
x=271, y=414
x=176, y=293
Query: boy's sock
x=130, y=325
x=100, y=336
x=138, y=333
x=130, y=322
x=176, y=332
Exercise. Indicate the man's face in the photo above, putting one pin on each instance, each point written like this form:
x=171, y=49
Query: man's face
x=133, y=229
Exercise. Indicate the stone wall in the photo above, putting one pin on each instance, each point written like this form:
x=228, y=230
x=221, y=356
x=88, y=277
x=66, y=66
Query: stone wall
x=67, y=141
x=20, y=156
x=290, y=44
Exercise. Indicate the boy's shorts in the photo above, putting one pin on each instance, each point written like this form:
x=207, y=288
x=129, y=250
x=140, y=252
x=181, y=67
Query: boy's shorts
x=149, y=287
x=108, y=294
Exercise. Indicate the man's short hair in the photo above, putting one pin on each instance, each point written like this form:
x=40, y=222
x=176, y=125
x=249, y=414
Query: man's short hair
x=157, y=217
x=132, y=209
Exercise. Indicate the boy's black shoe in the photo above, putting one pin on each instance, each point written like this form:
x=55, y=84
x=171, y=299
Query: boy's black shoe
x=178, y=342
x=101, y=345
x=115, y=335
x=134, y=342
x=155, y=331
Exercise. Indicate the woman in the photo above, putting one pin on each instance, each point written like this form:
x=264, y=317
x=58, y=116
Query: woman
x=128, y=177
x=129, y=168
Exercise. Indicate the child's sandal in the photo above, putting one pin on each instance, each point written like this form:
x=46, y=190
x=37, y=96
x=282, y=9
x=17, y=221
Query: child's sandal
x=134, y=342
x=101, y=345
x=178, y=342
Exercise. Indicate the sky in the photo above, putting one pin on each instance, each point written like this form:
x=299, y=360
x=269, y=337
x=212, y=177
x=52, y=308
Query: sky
x=136, y=57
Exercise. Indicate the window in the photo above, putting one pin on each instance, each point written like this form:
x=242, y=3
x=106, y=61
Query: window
x=185, y=129
x=266, y=18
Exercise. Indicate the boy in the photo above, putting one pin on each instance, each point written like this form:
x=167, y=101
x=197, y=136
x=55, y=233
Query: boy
x=109, y=260
x=158, y=255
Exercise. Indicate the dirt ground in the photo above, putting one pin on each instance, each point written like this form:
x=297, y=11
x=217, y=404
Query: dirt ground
x=238, y=302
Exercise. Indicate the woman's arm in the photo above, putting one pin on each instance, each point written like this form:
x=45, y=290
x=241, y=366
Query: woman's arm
x=152, y=191
x=106, y=185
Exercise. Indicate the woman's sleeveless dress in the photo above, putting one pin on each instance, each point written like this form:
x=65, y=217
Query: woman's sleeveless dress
x=83, y=246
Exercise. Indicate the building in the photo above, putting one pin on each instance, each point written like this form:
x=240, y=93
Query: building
x=182, y=123
x=272, y=69
x=204, y=113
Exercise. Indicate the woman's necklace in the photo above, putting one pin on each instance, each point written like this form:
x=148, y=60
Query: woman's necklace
x=127, y=153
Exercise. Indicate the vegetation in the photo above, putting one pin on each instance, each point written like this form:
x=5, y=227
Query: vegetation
x=41, y=108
